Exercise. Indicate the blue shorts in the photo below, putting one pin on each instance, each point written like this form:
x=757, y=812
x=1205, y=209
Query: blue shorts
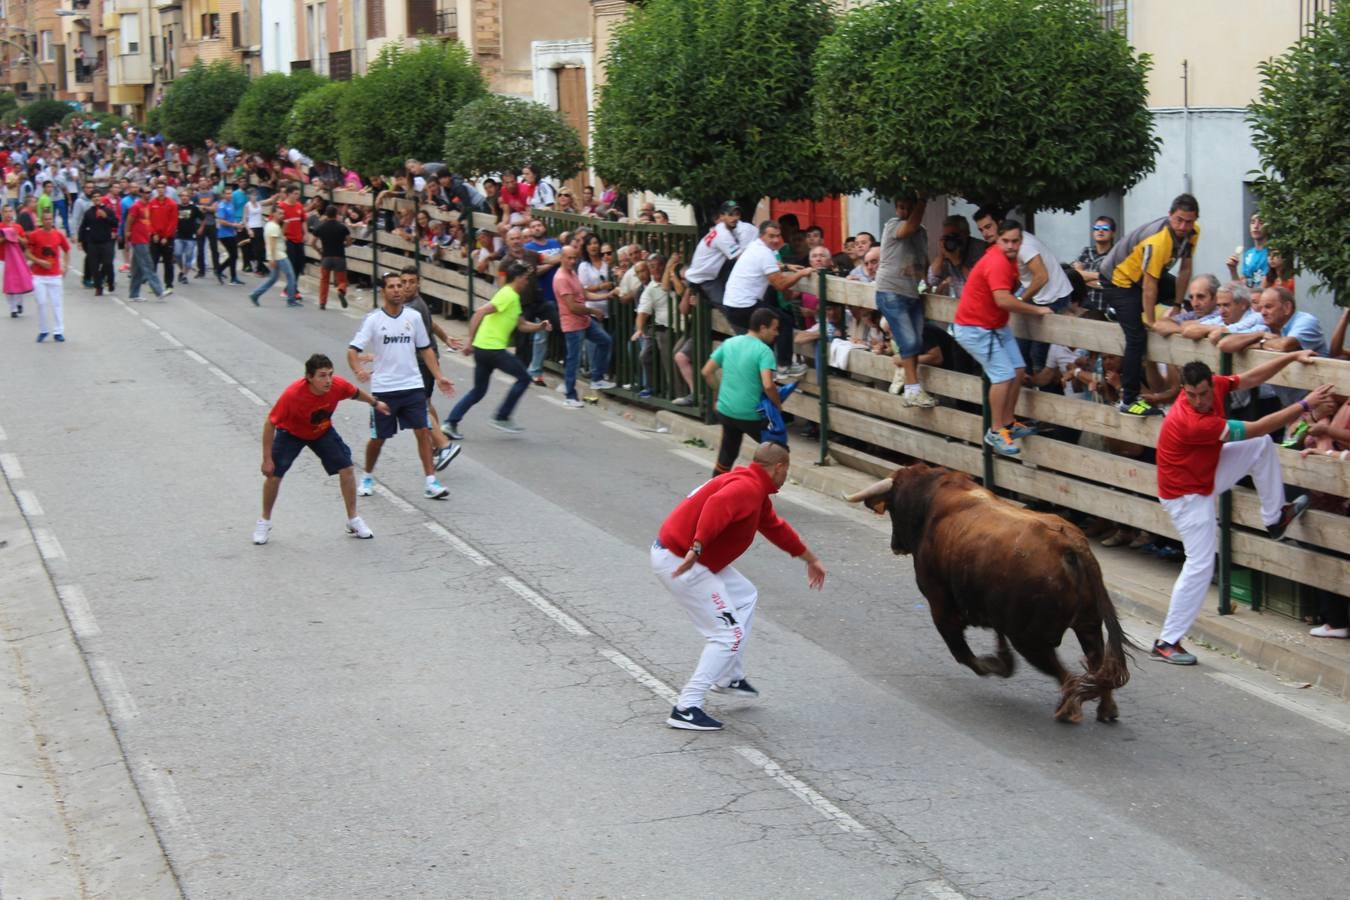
x=407, y=409
x=329, y=447
x=994, y=348
x=905, y=316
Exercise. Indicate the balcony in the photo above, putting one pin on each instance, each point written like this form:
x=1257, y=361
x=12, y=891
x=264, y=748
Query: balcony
x=84, y=74
x=447, y=24
x=298, y=64
x=340, y=65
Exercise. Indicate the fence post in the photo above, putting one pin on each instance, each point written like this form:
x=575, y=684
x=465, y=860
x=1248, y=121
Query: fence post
x=1226, y=528
x=417, y=242
x=823, y=370
x=375, y=252
x=987, y=419
x=471, y=235
x=703, y=314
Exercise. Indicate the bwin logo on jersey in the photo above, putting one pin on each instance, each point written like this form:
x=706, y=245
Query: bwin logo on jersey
x=398, y=339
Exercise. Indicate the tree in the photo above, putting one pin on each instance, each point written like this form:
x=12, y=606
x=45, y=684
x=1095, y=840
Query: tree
x=1028, y=103
x=311, y=124
x=200, y=100
x=8, y=101
x=1299, y=124
x=398, y=110
x=494, y=133
x=705, y=101
x=260, y=122
x=43, y=114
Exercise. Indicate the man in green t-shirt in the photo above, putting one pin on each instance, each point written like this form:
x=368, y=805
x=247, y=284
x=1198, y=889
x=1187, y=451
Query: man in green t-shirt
x=741, y=371
x=490, y=333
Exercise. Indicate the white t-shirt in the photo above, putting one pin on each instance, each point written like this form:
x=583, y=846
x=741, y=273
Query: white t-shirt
x=717, y=246
x=394, y=341
x=253, y=214
x=1057, y=286
x=655, y=302
x=750, y=276
x=543, y=196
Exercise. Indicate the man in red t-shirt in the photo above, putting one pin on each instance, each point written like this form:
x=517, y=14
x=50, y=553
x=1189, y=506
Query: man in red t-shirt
x=982, y=329
x=45, y=248
x=692, y=559
x=303, y=417
x=293, y=227
x=163, y=228
x=139, y=235
x=1200, y=455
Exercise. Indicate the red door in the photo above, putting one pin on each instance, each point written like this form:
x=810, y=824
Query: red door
x=825, y=213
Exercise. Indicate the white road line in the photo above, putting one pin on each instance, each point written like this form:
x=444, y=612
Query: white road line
x=626, y=429
x=165, y=803
x=196, y=357
x=149, y=324
x=252, y=396
x=47, y=544
x=1280, y=700
x=78, y=612
x=394, y=499
x=538, y=602
x=10, y=463
x=804, y=792
x=28, y=503
x=220, y=373
x=643, y=677
x=171, y=339
x=3, y=436
x=458, y=543
x=115, y=694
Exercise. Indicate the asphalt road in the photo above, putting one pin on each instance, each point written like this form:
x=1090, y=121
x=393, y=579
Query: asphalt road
x=472, y=704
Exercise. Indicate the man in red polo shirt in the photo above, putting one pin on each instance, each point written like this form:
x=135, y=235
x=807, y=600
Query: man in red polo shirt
x=293, y=227
x=139, y=237
x=303, y=417
x=692, y=559
x=163, y=228
x=1201, y=454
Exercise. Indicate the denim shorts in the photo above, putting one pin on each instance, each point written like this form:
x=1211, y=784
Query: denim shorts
x=994, y=348
x=905, y=316
x=407, y=409
x=329, y=447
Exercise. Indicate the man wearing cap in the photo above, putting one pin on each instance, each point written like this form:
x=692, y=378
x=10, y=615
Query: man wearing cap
x=718, y=249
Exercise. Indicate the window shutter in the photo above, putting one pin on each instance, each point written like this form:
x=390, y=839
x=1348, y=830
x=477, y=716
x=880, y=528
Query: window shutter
x=421, y=17
x=375, y=19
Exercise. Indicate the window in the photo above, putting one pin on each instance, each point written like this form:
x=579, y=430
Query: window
x=211, y=26
x=375, y=19
x=48, y=51
x=235, y=42
x=1309, y=10
x=1114, y=15
x=130, y=32
x=421, y=17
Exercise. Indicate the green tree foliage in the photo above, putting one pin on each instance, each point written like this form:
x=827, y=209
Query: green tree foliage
x=8, y=101
x=1006, y=103
x=200, y=100
x=705, y=101
x=259, y=123
x=43, y=114
x=400, y=108
x=312, y=124
x=494, y=133
x=154, y=120
x=1301, y=128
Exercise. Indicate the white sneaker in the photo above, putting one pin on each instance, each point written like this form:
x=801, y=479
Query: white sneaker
x=357, y=528
x=573, y=404
x=1327, y=631
x=920, y=399
x=561, y=388
x=602, y=385
x=262, y=531
x=436, y=491
x=897, y=382
x=366, y=487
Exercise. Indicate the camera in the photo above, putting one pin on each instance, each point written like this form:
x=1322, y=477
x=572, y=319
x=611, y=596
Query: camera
x=952, y=242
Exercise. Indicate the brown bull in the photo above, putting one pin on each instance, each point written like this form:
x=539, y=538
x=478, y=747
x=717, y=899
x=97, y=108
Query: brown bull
x=984, y=562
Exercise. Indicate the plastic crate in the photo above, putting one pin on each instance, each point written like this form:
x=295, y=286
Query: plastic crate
x=1244, y=585
x=1288, y=598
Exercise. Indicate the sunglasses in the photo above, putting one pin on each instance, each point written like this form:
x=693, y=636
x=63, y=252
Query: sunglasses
x=1102, y=228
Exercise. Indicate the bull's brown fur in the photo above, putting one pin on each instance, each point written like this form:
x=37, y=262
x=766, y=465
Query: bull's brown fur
x=981, y=561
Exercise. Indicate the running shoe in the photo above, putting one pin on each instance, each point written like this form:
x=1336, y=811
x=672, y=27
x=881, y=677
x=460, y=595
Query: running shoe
x=167, y=291
x=644, y=394
x=1002, y=441
x=366, y=487
x=436, y=491
x=573, y=403
x=59, y=338
x=451, y=430
x=1288, y=513
x=262, y=531
x=1326, y=631
x=1173, y=654
x=921, y=399
x=539, y=381
x=692, y=719
x=342, y=298
x=357, y=529
x=507, y=425
x=686, y=400
x=1020, y=430
x=1139, y=408
x=42, y=336
x=444, y=456
x=602, y=385
x=740, y=686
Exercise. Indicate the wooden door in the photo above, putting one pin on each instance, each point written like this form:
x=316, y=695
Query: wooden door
x=572, y=105
x=825, y=213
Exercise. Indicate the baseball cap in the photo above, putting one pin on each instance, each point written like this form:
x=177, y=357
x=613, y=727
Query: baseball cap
x=729, y=206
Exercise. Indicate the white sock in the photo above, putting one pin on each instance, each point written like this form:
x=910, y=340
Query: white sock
x=368, y=474
x=264, y=521
x=911, y=389
x=431, y=479
x=353, y=520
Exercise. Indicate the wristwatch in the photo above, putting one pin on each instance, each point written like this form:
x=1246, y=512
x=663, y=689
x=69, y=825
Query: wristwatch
x=697, y=548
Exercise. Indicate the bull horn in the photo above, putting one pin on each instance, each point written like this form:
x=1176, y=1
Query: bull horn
x=879, y=489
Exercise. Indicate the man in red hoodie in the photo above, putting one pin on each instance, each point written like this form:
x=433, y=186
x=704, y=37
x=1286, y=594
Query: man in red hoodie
x=692, y=558
x=163, y=228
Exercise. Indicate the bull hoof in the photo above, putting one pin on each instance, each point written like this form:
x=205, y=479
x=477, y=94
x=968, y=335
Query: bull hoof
x=1070, y=716
x=994, y=665
x=1107, y=711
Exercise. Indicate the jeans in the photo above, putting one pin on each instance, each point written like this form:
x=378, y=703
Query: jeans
x=539, y=340
x=1129, y=306
x=905, y=316
x=143, y=271
x=208, y=234
x=599, y=356
x=185, y=250
x=62, y=210
x=485, y=362
x=280, y=267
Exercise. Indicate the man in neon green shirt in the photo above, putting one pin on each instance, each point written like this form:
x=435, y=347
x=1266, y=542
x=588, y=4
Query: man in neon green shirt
x=46, y=200
x=490, y=332
x=741, y=370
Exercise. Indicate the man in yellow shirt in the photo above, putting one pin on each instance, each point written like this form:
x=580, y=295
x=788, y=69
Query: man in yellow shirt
x=1131, y=274
x=490, y=333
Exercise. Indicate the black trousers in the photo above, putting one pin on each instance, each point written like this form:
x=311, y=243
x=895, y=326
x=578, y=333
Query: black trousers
x=295, y=252
x=208, y=234
x=161, y=252
x=739, y=317
x=732, y=432
x=231, y=245
x=100, y=258
x=258, y=251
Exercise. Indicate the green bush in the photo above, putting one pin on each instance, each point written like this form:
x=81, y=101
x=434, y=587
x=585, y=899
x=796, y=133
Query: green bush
x=1006, y=103
x=1299, y=128
x=400, y=107
x=200, y=100
x=260, y=122
x=154, y=120
x=8, y=102
x=311, y=125
x=706, y=100
x=43, y=114
x=495, y=133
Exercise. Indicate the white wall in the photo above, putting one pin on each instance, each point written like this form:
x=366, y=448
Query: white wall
x=278, y=35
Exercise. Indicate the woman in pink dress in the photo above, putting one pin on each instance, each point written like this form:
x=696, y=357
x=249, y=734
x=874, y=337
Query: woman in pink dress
x=18, y=277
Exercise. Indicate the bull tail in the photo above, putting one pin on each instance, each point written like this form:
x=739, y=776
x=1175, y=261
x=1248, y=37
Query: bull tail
x=1114, y=672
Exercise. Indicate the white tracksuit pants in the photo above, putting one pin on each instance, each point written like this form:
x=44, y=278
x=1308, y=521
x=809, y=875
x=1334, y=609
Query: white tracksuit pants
x=722, y=606
x=47, y=289
x=1194, y=515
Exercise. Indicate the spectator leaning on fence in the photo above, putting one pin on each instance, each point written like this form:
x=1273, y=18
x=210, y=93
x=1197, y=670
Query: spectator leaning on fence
x=726, y=240
x=903, y=264
x=1287, y=328
x=1233, y=303
x=1200, y=455
x=1201, y=307
x=982, y=329
x=960, y=253
x=757, y=270
x=1132, y=274
x=1089, y=261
